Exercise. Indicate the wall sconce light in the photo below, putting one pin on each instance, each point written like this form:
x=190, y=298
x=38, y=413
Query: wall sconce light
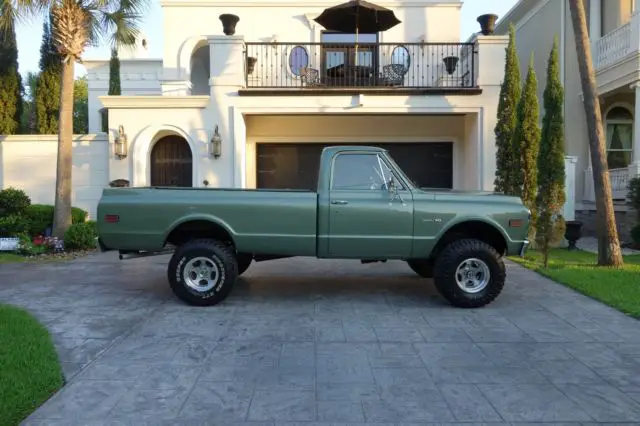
x=121, y=143
x=215, y=144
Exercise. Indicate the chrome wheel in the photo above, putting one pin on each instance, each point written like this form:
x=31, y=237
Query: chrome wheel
x=201, y=274
x=472, y=275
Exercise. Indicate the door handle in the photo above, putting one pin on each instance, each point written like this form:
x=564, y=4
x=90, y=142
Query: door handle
x=339, y=202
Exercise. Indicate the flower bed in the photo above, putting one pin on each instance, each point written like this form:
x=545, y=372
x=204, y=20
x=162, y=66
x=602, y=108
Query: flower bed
x=25, y=229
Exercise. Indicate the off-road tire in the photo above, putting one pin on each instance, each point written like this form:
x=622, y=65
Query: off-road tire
x=445, y=270
x=244, y=261
x=224, y=258
x=422, y=267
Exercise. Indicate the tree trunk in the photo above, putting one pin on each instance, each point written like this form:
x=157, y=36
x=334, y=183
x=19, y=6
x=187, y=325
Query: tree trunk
x=608, y=244
x=62, y=214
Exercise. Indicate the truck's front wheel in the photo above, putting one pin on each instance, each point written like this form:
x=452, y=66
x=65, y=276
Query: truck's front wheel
x=202, y=272
x=469, y=273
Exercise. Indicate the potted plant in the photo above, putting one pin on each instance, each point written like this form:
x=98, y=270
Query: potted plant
x=251, y=64
x=487, y=23
x=573, y=233
x=229, y=22
x=450, y=63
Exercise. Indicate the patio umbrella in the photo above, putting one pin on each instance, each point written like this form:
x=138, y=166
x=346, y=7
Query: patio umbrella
x=356, y=16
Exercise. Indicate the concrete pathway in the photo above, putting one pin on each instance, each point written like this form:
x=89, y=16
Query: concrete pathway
x=307, y=342
x=590, y=244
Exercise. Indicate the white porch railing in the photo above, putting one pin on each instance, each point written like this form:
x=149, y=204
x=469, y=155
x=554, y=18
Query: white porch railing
x=619, y=179
x=615, y=45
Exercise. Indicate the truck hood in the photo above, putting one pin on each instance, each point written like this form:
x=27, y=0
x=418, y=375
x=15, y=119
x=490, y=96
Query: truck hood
x=459, y=195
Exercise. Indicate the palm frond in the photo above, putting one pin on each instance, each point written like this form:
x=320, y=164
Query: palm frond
x=15, y=11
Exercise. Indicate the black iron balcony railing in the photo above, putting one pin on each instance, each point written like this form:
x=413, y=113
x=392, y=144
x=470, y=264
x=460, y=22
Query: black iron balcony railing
x=367, y=65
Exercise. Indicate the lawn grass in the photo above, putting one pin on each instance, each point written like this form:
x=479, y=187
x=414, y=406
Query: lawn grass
x=29, y=372
x=11, y=258
x=618, y=288
x=45, y=258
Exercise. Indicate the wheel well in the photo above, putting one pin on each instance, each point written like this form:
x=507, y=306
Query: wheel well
x=473, y=229
x=196, y=229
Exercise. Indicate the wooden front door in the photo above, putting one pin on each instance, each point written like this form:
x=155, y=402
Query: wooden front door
x=171, y=162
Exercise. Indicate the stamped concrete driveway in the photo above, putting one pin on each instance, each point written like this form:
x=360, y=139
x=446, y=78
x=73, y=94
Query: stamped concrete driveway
x=311, y=342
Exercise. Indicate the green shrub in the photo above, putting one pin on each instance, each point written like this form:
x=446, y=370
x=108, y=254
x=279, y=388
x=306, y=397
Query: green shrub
x=94, y=225
x=13, y=225
x=77, y=215
x=13, y=202
x=80, y=236
x=635, y=235
x=40, y=217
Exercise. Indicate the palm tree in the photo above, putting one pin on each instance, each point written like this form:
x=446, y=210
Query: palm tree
x=609, y=253
x=76, y=24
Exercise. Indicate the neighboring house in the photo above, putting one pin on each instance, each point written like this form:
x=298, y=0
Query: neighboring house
x=615, y=38
x=282, y=88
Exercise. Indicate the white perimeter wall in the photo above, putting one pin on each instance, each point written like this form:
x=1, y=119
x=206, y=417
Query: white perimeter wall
x=28, y=162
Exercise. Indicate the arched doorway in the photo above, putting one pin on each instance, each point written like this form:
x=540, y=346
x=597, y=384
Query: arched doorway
x=171, y=162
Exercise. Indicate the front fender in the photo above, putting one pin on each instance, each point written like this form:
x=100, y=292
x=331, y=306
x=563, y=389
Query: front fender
x=463, y=219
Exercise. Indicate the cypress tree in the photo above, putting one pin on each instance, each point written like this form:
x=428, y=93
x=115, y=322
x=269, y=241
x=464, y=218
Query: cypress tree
x=11, y=88
x=114, y=74
x=551, y=175
x=47, y=99
x=509, y=96
x=526, y=142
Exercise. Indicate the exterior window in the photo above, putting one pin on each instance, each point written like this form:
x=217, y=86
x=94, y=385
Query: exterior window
x=298, y=58
x=339, y=49
x=619, y=138
x=361, y=172
x=400, y=56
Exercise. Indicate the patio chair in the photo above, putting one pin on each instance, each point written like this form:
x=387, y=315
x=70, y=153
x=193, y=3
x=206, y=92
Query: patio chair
x=393, y=75
x=310, y=77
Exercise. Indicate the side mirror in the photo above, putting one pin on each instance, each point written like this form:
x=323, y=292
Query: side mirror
x=392, y=185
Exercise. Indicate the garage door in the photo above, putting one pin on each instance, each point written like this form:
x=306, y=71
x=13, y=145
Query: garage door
x=295, y=166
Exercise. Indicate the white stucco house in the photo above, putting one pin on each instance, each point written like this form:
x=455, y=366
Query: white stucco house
x=307, y=88
x=275, y=93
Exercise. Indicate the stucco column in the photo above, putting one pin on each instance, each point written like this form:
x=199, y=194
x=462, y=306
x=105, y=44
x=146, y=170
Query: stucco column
x=227, y=67
x=595, y=22
x=569, y=211
x=489, y=73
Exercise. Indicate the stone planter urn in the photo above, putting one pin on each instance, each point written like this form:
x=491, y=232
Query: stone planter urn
x=573, y=233
x=487, y=23
x=229, y=22
x=450, y=63
x=251, y=64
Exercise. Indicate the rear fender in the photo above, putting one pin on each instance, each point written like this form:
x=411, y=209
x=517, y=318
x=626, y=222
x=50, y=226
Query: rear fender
x=200, y=217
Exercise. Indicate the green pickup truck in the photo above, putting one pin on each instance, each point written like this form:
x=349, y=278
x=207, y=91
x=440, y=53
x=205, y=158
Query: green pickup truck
x=364, y=208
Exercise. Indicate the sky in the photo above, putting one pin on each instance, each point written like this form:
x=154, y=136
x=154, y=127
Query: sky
x=29, y=34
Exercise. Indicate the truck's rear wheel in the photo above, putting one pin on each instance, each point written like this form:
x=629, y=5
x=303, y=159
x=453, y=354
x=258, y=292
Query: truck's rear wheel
x=422, y=267
x=202, y=272
x=469, y=273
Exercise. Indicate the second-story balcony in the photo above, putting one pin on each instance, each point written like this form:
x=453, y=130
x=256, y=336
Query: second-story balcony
x=618, y=45
x=307, y=68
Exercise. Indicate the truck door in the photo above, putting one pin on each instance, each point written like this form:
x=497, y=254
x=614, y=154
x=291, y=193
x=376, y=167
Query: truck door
x=366, y=219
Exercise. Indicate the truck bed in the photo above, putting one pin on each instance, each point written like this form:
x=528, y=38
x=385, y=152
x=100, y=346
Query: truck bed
x=269, y=221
